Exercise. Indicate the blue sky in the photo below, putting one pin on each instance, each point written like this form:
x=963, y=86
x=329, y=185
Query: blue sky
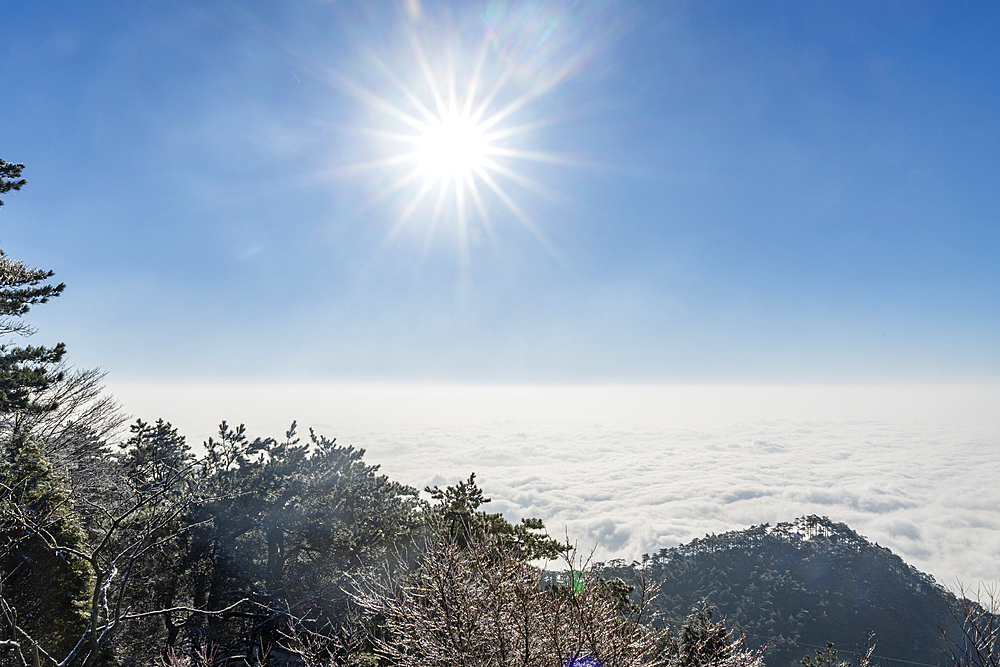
x=731, y=192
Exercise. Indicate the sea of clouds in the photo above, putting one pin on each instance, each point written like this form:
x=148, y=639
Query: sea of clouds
x=631, y=470
x=928, y=494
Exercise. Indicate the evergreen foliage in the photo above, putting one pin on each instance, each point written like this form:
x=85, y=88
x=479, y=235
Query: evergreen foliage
x=24, y=371
x=804, y=583
x=10, y=177
x=45, y=590
x=272, y=526
x=703, y=641
x=457, y=517
x=825, y=657
x=154, y=451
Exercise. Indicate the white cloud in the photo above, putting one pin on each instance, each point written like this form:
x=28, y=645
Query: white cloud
x=634, y=469
x=928, y=494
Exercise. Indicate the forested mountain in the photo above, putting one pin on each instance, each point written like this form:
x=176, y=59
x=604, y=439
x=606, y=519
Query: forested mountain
x=795, y=586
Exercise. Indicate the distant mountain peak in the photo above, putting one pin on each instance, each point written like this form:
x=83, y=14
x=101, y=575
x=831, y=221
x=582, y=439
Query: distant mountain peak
x=798, y=584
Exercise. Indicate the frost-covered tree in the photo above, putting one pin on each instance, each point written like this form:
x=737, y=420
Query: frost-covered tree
x=479, y=602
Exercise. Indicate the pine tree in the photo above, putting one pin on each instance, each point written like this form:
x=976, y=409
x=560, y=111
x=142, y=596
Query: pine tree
x=44, y=586
x=10, y=177
x=456, y=516
x=24, y=371
x=46, y=589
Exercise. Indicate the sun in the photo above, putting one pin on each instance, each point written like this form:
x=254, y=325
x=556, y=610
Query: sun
x=454, y=126
x=451, y=144
x=452, y=148
x=455, y=156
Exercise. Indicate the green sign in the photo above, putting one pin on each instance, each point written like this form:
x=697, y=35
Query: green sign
x=576, y=581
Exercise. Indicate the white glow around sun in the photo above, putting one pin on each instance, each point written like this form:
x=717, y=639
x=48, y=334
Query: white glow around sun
x=453, y=147
x=451, y=125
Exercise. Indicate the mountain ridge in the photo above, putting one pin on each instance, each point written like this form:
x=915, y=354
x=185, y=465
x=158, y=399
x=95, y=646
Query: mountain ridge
x=796, y=585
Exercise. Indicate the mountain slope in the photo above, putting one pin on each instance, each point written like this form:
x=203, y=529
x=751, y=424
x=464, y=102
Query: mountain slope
x=798, y=585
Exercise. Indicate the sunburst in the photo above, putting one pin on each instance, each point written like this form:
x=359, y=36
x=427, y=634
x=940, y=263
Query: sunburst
x=451, y=137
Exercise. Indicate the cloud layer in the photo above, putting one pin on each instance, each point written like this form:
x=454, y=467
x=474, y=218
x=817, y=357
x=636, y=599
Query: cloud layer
x=927, y=493
x=633, y=469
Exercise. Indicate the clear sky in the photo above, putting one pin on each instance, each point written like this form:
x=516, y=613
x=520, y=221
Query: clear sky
x=654, y=192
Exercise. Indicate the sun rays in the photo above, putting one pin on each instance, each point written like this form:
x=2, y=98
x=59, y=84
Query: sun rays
x=453, y=129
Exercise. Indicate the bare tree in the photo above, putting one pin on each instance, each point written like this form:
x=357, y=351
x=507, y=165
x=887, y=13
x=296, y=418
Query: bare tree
x=127, y=523
x=84, y=421
x=480, y=604
x=977, y=615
